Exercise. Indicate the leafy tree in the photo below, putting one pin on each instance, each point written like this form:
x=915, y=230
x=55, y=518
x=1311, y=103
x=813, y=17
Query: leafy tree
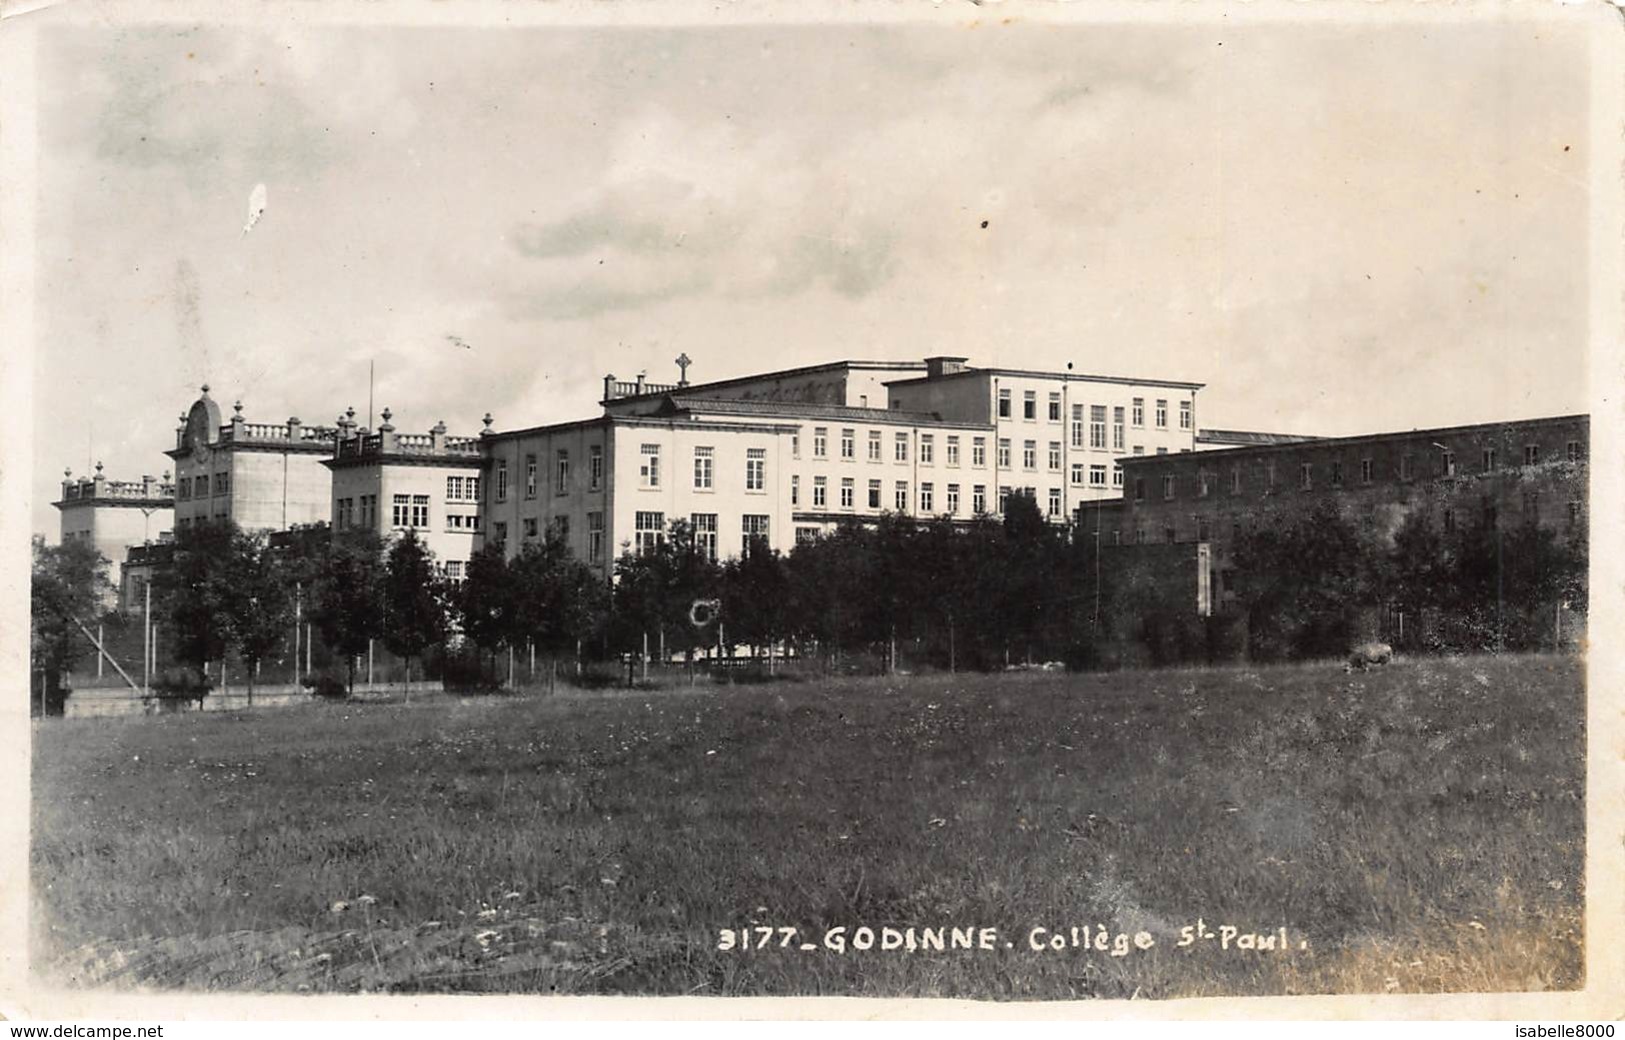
x=755, y=595
x=485, y=602
x=655, y=589
x=67, y=586
x=348, y=602
x=196, y=591
x=557, y=599
x=1304, y=576
x=258, y=610
x=415, y=600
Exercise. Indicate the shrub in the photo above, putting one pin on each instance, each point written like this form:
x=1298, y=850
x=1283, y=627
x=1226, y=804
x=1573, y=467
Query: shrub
x=327, y=684
x=181, y=683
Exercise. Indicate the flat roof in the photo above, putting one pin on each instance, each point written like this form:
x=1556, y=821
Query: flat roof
x=1032, y=374
x=826, y=366
x=1364, y=438
x=795, y=410
x=1240, y=438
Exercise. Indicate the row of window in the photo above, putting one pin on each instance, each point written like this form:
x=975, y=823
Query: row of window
x=532, y=475
x=198, y=487
x=1335, y=476
x=1097, y=414
x=649, y=530
x=531, y=527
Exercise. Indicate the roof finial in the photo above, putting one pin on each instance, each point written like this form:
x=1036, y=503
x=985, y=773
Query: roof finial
x=205, y=388
x=683, y=361
x=98, y=467
x=238, y=408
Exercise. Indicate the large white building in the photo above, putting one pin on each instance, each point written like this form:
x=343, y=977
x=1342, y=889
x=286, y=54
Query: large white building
x=263, y=476
x=115, y=515
x=787, y=455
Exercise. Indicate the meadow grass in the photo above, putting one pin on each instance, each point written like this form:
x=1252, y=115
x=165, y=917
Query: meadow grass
x=1415, y=828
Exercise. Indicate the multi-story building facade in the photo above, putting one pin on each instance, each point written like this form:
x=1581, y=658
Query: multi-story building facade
x=263, y=476
x=114, y=515
x=1059, y=436
x=391, y=482
x=1530, y=471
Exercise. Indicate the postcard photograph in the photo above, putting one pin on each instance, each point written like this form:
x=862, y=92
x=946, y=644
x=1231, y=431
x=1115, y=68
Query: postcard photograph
x=953, y=501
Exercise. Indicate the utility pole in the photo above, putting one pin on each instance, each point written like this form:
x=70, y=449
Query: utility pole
x=98, y=655
x=298, y=604
x=146, y=643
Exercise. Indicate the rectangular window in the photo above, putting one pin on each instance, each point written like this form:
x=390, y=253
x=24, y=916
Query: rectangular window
x=1055, y=456
x=755, y=469
x=795, y=490
x=849, y=444
x=343, y=519
x=1077, y=473
x=900, y=500
x=502, y=480
x=1139, y=489
x=454, y=489
x=1235, y=479
x=874, y=445
x=1029, y=454
x=1054, y=407
x=795, y=445
x=1576, y=511
x=1117, y=475
x=595, y=468
x=203, y=486
x=820, y=492
x=1097, y=426
x=1054, y=502
x=1118, y=433
x=1139, y=449
x=1269, y=476
x=953, y=499
x=530, y=476
x=1368, y=471
x=1203, y=532
x=1447, y=463
x=978, y=499
x=1531, y=454
x=648, y=530
x=1488, y=460
x=1097, y=476
x=454, y=571
x=1162, y=414
x=1077, y=426
x=1004, y=404
x=499, y=532
x=704, y=527
x=1306, y=476
x=1574, y=452
x=806, y=535
x=595, y=537
x=649, y=466
x=704, y=459
x=561, y=525
x=1169, y=535
x=1029, y=404
x=1162, y=451
x=848, y=493
x=752, y=526
x=820, y=442
x=900, y=447
x=927, y=494
x=1204, y=483
x=420, y=510
x=1138, y=413
x=928, y=449
x=874, y=494
x=1337, y=473
x=530, y=526
x=1531, y=504
x=1168, y=485
x=401, y=511
x=222, y=483
x=1185, y=416
x=1405, y=466
x=953, y=450
x=561, y=473
x=978, y=452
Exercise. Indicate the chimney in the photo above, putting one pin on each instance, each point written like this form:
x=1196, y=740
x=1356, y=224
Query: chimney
x=943, y=365
x=609, y=387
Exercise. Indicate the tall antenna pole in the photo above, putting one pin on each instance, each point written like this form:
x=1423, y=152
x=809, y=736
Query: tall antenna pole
x=369, y=394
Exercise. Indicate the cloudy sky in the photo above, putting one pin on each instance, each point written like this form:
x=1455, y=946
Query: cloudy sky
x=1339, y=229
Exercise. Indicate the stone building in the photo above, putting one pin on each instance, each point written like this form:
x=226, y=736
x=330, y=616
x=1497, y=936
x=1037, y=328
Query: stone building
x=1522, y=471
x=114, y=515
x=391, y=482
x=264, y=476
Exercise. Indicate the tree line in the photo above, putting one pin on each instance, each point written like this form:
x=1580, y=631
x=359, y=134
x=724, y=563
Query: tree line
x=867, y=597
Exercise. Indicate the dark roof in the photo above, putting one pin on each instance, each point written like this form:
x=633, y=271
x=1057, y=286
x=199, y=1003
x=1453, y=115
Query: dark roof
x=1433, y=433
x=1240, y=438
x=798, y=410
x=1073, y=377
x=827, y=366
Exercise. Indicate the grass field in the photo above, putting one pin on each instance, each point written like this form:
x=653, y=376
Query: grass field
x=1417, y=828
